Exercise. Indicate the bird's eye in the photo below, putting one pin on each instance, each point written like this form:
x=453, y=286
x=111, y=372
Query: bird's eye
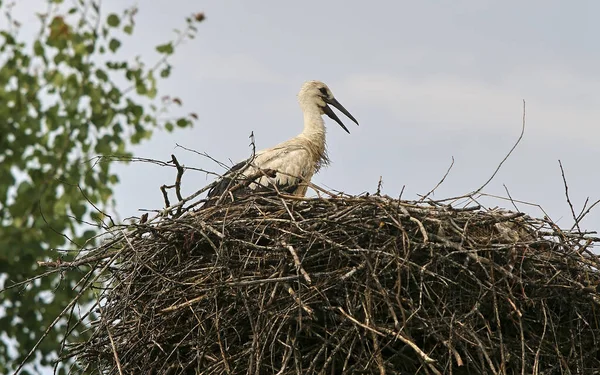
x=324, y=91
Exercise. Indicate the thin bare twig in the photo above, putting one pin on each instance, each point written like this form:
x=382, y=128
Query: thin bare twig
x=507, y=155
x=180, y=171
x=575, y=221
x=440, y=182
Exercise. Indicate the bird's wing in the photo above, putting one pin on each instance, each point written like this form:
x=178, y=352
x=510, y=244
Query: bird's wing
x=226, y=181
x=292, y=165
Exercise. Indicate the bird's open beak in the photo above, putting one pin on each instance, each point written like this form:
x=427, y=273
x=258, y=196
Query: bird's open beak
x=329, y=112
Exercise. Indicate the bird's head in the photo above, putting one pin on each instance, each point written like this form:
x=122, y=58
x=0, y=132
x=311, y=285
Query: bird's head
x=317, y=93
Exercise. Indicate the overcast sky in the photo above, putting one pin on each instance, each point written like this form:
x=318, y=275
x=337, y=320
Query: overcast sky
x=427, y=80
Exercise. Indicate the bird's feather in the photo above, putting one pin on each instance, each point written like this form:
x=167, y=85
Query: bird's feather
x=291, y=163
x=224, y=183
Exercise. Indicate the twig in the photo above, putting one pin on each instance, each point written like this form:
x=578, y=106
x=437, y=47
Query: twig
x=397, y=335
x=575, y=221
x=581, y=216
x=337, y=284
x=76, y=263
x=478, y=191
x=511, y=198
x=401, y=192
x=163, y=189
x=63, y=312
x=204, y=154
x=136, y=159
x=421, y=228
x=180, y=171
x=379, y=186
x=440, y=182
x=112, y=341
x=185, y=200
x=298, y=263
x=96, y=208
x=507, y=155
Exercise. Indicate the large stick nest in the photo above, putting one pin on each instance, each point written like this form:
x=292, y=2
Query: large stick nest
x=368, y=285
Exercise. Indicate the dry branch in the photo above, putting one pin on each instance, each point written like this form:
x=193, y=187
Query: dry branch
x=340, y=286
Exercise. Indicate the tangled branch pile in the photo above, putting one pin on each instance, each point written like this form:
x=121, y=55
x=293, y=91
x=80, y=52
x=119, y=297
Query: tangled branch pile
x=341, y=286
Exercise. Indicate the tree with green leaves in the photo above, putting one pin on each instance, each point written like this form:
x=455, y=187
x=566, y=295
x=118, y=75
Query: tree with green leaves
x=66, y=98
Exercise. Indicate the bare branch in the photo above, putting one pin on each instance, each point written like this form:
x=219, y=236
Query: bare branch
x=506, y=157
x=439, y=183
x=575, y=221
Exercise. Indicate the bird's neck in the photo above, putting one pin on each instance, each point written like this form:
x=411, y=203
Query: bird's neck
x=314, y=127
x=314, y=133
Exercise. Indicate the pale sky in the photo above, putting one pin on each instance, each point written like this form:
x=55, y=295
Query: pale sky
x=427, y=80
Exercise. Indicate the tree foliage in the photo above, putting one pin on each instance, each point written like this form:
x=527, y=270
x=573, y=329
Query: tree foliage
x=66, y=97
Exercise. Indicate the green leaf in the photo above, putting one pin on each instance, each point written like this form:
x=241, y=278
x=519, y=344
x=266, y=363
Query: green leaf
x=101, y=75
x=80, y=49
x=64, y=103
x=137, y=110
x=60, y=207
x=38, y=48
x=113, y=20
x=7, y=180
x=166, y=71
x=103, y=146
x=24, y=188
x=140, y=88
x=166, y=49
x=183, y=122
x=114, y=44
x=78, y=209
x=152, y=93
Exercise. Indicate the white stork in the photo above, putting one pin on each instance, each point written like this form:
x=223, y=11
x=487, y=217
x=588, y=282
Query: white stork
x=291, y=164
